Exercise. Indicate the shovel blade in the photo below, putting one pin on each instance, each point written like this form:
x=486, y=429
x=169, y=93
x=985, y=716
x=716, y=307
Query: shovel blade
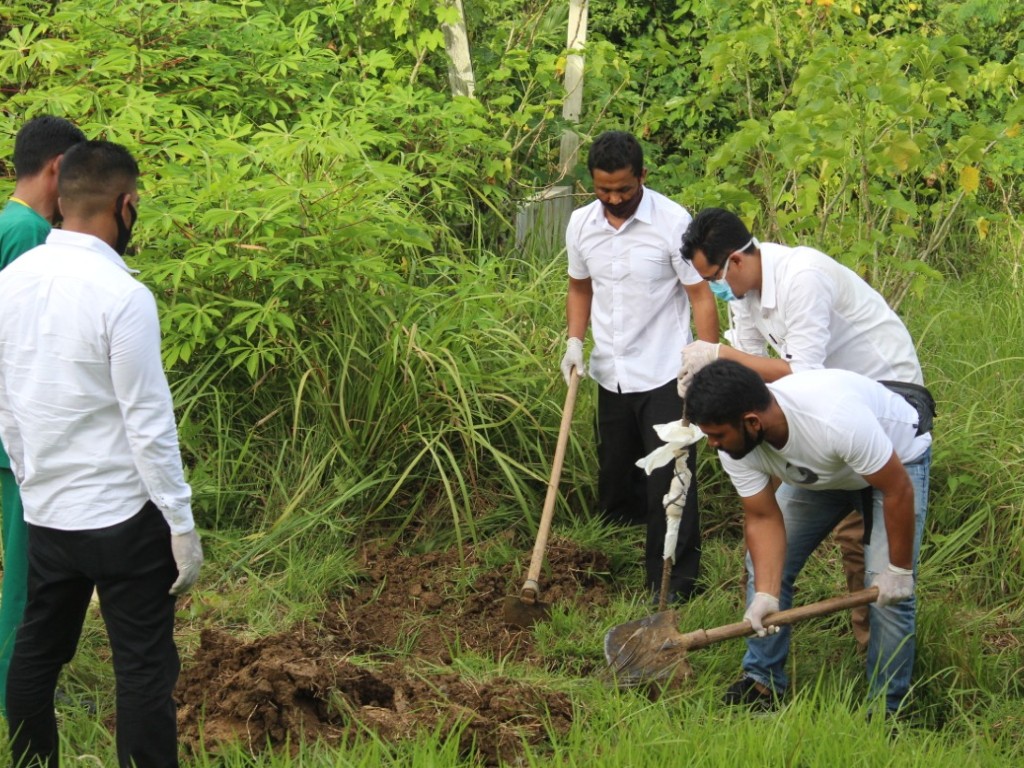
x=518, y=613
x=645, y=651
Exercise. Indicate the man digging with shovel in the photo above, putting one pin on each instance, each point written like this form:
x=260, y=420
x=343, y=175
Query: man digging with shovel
x=835, y=439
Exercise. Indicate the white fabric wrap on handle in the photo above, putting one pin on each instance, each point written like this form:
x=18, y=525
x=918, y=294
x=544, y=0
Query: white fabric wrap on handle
x=678, y=438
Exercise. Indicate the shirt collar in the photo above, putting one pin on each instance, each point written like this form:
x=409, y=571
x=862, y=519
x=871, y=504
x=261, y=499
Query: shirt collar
x=90, y=243
x=645, y=211
x=768, y=293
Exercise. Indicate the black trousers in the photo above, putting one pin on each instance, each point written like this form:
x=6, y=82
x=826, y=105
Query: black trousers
x=627, y=495
x=132, y=567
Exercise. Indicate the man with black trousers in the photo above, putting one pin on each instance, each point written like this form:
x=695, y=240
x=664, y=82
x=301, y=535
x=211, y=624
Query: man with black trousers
x=630, y=285
x=87, y=418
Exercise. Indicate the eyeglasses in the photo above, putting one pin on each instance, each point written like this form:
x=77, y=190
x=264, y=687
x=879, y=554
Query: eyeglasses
x=723, y=269
x=720, y=272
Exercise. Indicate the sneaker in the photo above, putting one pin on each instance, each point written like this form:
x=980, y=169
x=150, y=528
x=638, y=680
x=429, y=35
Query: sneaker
x=745, y=693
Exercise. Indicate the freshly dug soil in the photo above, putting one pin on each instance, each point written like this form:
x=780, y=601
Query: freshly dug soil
x=379, y=659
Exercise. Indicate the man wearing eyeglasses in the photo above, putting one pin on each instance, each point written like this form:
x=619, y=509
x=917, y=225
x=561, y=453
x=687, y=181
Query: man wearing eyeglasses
x=628, y=283
x=813, y=313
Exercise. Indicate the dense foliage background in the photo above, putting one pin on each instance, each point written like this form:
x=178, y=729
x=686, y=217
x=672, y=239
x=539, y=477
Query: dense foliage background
x=358, y=342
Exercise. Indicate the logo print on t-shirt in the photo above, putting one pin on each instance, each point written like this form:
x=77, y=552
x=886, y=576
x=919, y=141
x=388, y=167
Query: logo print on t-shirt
x=801, y=475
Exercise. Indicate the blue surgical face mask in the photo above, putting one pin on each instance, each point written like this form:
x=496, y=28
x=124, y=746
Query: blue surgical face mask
x=722, y=290
x=720, y=287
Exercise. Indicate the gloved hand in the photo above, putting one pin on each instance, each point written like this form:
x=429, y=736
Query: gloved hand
x=894, y=585
x=695, y=356
x=188, y=556
x=762, y=605
x=573, y=357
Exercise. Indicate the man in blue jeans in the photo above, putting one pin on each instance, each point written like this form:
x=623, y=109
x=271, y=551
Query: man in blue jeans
x=800, y=451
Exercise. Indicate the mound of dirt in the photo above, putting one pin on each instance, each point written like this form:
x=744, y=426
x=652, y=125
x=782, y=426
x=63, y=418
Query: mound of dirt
x=376, y=660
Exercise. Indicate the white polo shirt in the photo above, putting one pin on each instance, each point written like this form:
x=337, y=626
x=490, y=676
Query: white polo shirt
x=640, y=313
x=816, y=313
x=85, y=410
x=842, y=426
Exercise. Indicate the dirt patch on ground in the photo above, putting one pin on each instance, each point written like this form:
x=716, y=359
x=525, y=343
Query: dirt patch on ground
x=378, y=660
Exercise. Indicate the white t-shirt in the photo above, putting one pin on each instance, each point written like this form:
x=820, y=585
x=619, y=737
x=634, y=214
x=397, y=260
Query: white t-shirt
x=85, y=410
x=842, y=426
x=640, y=313
x=816, y=313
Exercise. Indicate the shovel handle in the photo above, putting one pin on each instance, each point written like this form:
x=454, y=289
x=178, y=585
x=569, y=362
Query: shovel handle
x=530, y=592
x=701, y=638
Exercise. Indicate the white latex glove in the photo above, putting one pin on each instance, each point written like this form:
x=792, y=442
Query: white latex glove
x=188, y=556
x=695, y=356
x=762, y=605
x=894, y=585
x=573, y=358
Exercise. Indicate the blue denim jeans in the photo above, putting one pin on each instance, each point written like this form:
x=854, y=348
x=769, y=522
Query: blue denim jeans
x=809, y=517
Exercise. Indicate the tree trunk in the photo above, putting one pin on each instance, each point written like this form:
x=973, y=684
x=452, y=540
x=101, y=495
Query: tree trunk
x=573, y=105
x=460, y=65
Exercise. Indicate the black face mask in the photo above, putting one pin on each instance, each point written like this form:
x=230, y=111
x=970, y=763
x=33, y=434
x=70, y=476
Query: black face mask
x=626, y=208
x=124, y=231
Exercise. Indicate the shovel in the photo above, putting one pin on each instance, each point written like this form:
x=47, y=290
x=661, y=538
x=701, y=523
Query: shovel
x=526, y=608
x=652, y=650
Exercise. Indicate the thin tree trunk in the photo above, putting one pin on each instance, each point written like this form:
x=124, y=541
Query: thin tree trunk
x=460, y=64
x=573, y=105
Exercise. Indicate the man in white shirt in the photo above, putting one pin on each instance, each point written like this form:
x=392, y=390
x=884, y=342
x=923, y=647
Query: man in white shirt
x=827, y=435
x=814, y=313
x=628, y=282
x=87, y=418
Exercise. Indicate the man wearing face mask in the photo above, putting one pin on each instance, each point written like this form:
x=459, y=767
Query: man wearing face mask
x=25, y=222
x=813, y=313
x=628, y=283
x=86, y=413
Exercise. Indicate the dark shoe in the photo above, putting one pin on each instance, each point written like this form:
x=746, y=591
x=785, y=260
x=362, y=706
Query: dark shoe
x=745, y=693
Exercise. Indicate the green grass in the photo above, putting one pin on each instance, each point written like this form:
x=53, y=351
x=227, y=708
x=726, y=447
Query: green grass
x=299, y=553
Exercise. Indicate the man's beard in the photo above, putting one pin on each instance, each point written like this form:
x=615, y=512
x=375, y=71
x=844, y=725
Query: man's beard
x=749, y=444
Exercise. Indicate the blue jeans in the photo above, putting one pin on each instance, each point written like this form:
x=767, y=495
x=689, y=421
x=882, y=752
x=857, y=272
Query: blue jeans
x=809, y=517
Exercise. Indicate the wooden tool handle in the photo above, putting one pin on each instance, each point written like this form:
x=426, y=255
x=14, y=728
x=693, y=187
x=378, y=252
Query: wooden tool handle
x=703, y=637
x=530, y=592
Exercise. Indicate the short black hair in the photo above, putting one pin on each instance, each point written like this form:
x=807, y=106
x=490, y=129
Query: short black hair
x=723, y=391
x=717, y=233
x=93, y=173
x=40, y=140
x=614, y=150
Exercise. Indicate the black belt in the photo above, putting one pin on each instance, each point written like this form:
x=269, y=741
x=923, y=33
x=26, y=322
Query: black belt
x=924, y=404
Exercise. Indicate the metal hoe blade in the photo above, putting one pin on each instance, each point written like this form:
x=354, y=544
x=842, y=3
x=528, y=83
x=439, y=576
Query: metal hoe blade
x=518, y=613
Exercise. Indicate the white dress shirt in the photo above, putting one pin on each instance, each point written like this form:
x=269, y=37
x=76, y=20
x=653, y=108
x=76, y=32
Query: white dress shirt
x=842, y=426
x=640, y=313
x=816, y=313
x=85, y=410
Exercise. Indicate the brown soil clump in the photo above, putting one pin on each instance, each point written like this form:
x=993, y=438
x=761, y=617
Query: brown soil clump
x=378, y=660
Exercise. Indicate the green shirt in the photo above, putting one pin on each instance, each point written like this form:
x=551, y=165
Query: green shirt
x=21, y=229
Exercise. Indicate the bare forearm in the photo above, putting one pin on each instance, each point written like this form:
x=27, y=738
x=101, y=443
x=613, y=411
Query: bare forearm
x=768, y=368
x=765, y=535
x=577, y=308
